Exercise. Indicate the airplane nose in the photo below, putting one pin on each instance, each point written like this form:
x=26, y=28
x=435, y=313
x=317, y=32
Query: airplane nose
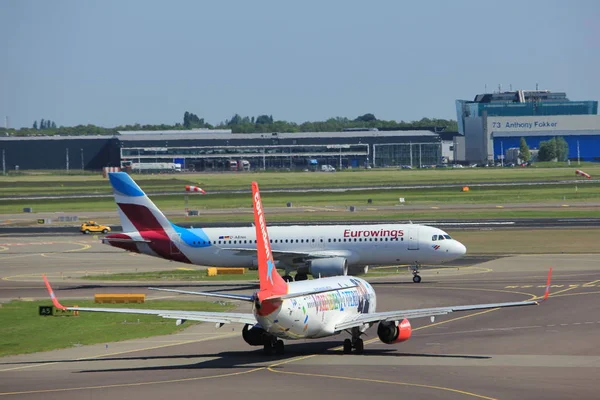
x=461, y=250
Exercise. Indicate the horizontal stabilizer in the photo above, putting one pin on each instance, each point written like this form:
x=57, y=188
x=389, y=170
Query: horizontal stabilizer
x=241, y=297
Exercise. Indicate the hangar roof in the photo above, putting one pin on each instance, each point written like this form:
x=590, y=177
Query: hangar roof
x=296, y=135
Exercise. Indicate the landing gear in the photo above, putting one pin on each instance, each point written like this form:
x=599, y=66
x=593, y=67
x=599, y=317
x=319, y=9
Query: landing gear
x=347, y=346
x=415, y=272
x=356, y=342
x=287, y=278
x=279, y=349
x=301, y=277
x=273, y=344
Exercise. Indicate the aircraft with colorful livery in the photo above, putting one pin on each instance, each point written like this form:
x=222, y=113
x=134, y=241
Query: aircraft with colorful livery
x=307, y=309
x=319, y=250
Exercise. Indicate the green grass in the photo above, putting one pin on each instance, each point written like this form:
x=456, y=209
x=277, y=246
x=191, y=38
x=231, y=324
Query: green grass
x=174, y=275
x=60, y=184
x=417, y=196
x=22, y=330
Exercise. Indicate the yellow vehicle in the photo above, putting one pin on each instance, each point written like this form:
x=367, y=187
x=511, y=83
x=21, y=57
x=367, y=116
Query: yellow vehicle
x=92, y=226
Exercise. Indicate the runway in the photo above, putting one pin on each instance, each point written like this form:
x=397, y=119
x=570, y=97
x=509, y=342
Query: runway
x=551, y=351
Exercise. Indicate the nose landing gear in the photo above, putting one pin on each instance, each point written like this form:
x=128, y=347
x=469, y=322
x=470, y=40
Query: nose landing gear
x=415, y=272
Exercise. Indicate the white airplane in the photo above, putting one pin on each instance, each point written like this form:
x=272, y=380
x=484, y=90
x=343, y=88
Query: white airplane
x=321, y=250
x=308, y=309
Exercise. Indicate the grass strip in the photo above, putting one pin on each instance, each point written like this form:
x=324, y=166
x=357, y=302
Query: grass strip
x=22, y=330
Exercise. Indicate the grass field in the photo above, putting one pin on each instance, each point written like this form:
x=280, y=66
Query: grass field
x=22, y=330
x=175, y=275
x=86, y=184
x=419, y=196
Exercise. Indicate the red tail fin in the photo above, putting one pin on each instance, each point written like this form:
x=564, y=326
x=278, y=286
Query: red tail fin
x=271, y=283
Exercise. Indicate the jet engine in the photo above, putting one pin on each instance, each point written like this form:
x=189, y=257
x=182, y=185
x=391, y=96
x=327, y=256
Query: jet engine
x=324, y=267
x=254, y=335
x=390, y=333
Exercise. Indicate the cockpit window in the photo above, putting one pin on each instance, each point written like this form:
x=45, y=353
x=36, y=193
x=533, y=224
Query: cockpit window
x=447, y=236
x=434, y=238
x=440, y=237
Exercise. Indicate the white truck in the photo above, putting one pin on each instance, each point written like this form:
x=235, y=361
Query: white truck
x=327, y=168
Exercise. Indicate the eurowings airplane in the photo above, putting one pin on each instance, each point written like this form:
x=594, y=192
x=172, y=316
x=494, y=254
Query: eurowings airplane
x=308, y=309
x=321, y=250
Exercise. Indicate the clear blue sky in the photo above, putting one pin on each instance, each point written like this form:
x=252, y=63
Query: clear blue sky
x=118, y=62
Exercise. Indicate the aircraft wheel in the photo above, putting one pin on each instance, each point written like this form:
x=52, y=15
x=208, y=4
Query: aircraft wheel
x=359, y=346
x=301, y=277
x=287, y=278
x=279, y=347
x=268, y=348
x=347, y=346
x=416, y=279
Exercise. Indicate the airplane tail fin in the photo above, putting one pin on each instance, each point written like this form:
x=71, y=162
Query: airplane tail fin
x=136, y=211
x=271, y=283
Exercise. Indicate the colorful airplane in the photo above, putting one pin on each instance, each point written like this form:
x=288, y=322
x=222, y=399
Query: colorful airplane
x=308, y=309
x=319, y=250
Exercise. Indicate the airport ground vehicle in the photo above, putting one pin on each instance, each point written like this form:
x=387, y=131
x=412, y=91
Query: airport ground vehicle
x=92, y=226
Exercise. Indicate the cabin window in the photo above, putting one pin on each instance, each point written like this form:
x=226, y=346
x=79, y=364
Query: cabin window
x=447, y=236
x=434, y=238
x=270, y=240
x=329, y=240
x=440, y=237
x=286, y=240
x=313, y=240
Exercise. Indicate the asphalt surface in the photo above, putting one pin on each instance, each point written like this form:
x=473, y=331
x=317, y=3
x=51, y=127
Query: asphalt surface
x=455, y=224
x=551, y=351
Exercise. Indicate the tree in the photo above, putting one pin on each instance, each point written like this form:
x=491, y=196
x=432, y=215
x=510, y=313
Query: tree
x=562, y=149
x=53, y=125
x=547, y=150
x=524, y=153
x=264, y=119
x=42, y=124
x=366, y=118
x=35, y=125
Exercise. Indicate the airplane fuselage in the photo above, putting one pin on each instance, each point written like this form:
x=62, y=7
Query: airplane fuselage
x=316, y=315
x=360, y=245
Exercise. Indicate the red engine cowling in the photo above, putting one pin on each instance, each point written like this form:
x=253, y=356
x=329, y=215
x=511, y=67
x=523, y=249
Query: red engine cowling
x=390, y=333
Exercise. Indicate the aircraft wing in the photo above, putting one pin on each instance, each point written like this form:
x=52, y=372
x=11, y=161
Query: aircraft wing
x=294, y=257
x=365, y=319
x=179, y=315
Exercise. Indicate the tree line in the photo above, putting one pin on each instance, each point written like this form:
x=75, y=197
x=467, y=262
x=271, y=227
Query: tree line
x=240, y=124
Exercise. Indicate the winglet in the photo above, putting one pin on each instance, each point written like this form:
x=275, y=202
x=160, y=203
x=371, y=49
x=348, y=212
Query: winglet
x=548, y=284
x=52, y=296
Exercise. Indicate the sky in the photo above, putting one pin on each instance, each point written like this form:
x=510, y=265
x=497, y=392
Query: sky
x=116, y=62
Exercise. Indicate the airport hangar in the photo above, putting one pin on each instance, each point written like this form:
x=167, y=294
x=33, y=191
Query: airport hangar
x=492, y=125
x=202, y=149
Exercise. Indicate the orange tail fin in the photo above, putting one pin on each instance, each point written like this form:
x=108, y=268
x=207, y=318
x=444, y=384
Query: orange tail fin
x=271, y=283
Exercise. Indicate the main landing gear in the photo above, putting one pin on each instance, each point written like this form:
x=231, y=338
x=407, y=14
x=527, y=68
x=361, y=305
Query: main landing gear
x=299, y=277
x=415, y=272
x=273, y=344
x=356, y=342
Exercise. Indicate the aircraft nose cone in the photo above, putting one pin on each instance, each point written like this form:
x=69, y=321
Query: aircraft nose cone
x=461, y=250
